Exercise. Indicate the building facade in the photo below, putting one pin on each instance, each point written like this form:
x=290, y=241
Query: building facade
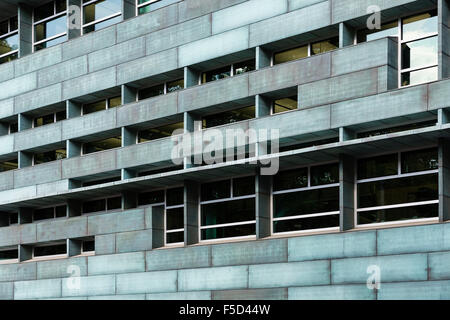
x=352, y=99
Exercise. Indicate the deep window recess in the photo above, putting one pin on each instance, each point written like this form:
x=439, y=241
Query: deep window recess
x=228, y=71
x=285, y=104
x=39, y=158
x=49, y=118
x=13, y=127
x=50, y=250
x=50, y=24
x=88, y=246
x=309, y=144
x=9, y=40
x=99, y=14
x=100, y=181
x=411, y=126
x=104, y=204
x=9, y=165
x=306, y=199
x=50, y=213
x=13, y=218
x=159, y=132
x=9, y=254
x=400, y=186
x=228, y=209
x=228, y=117
x=101, y=145
x=160, y=89
x=305, y=51
x=102, y=105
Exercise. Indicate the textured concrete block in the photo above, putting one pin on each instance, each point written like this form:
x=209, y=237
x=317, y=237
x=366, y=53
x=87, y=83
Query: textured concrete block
x=119, y=297
x=89, y=286
x=148, y=282
x=194, y=295
x=43, y=135
x=17, y=272
x=289, y=274
x=438, y=264
x=89, y=83
x=178, y=258
x=194, y=8
x=62, y=229
x=220, y=278
x=298, y=4
x=46, y=189
x=62, y=268
x=6, y=291
x=145, y=153
x=18, y=194
x=7, y=71
x=38, y=60
x=27, y=233
x=353, y=244
x=9, y=236
x=117, y=263
x=18, y=85
x=421, y=290
x=251, y=294
x=246, y=13
x=335, y=292
x=134, y=241
x=105, y=244
x=49, y=288
x=43, y=173
x=89, y=124
x=213, y=47
x=6, y=179
x=266, y=251
x=116, y=222
x=438, y=95
x=6, y=108
x=38, y=98
x=6, y=144
x=89, y=164
x=63, y=71
x=411, y=267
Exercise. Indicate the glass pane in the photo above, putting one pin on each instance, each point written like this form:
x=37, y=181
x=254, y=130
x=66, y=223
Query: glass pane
x=306, y=202
x=4, y=27
x=61, y=211
x=61, y=5
x=397, y=214
x=151, y=197
x=175, y=237
x=216, y=74
x=325, y=46
x=151, y=92
x=101, y=9
x=44, y=157
x=420, y=25
x=8, y=165
x=291, y=54
x=50, y=43
x=387, y=30
x=44, y=11
x=42, y=121
x=115, y=102
x=9, y=44
x=397, y=191
x=405, y=127
x=229, y=232
x=243, y=67
x=50, y=28
x=88, y=246
x=229, y=117
x=175, y=219
x=292, y=179
x=421, y=76
x=9, y=58
x=102, y=145
x=243, y=186
x=216, y=190
x=420, y=160
x=50, y=250
x=61, y=115
x=14, y=24
x=326, y=174
x=306, y=223
x=114, y=203
x=94, y=107
x=145, y=9
x=94, y=206
x=158, y=133
x=285, y=104
x=102, y=25
x=175, y=197
x=420, y=53
x=175, y=85
x=9, y=254
x=43, y=214
x=14, y=218
x=381, y=166
x=228, y=212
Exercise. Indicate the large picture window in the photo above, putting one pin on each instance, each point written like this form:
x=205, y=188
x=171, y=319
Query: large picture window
x=50, y=24
x=305, y=51
x=99, y=14
x=9, y=40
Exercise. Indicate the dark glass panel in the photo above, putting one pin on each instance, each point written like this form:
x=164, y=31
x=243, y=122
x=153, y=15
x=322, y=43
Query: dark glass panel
x=405, y=127
x=421, y=25
x=216, y=190
x=9, y=44
x=45, y=157
x=175, y=85
x=175, y=237
x=102, y=145
x=420, y=53
x=61, y=211
x=243, y=67
x=285, y=104
x=291, y=54
x=325, y=46
x=216, y=74
x=4, y=28
x=175, y=197
x=306, y=202
x=243, y=186
x=398, y=214
x=114, y=203
x=94, y=107
x=13, y=127
x=229, y=117
x=386, y=165
x=420, y=76
x=44, y=11
x=61, y=5
x=420, y=160
x=158, y=133
x=61, y=115
x=387, y=30
x=50, y=250
x=151, y=92
x=43, y=214
x=9, y=254
x=175, y=218
x=229, y=232
x=397, y=191
x=94, y=206
x=14, y=218
x=101, y=9
x=9, y=58
x=291, y=179
x=306, y=223
x=326, y=174
x=8, y=165
x=228, y=212
x=14, y=24
x=88, y=246
x=151, y=197
x=114, y=102
x=42, y=121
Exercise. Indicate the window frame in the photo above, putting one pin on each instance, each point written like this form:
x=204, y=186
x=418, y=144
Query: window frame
x=166, y=91
x=9, y=34
x=148, y=2
x=107, y=105
x=49, y=257
x=85, y=25
x=106, y=205
x=10, y=261
x=231, y=66
x=54, y=212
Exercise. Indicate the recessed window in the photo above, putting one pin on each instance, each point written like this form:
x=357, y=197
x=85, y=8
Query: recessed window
x=227, y=209
x=9, y=40
x=44, y=157
x=50, y=250
x=49, y=118
x=88, y=246
x=228, y=117
x=104, y=204
x=103, y=104
x=285, y=104
x=152, y=197
x=160, y=89
x=306, y=199
x=411, y=126
x=100, y=181
x=400, y=186
x=305, y=51
x=99, y=14
x=50, y=213
x=9, y=254
x=50, y=24
x=308, y=144
x=159, y=132
x=102, y=145
x=228, y=71
x=145, y=6
x=11, y=164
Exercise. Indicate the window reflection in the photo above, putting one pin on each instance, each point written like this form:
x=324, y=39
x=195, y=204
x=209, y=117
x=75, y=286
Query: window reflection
x=9, y=40
x=420, y=26
x=50, y=24
x=101, y=14
x=387, y=30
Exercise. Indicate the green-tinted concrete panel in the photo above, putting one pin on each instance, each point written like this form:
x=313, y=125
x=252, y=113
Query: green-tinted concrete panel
x=251, y=294
x=63, y=71
x=145, y=153
x=438, y=95
x=6, y=108
x=353, y=244
x=254, y=252
x=220, y=278
x=89, y=124
x=411, y=267
x=89, y=83
x=38, y=98
x=134, y=241
x=6, y=179
x=116, y=263
x=38, y=60
x=9, y=236
x=7, y=71
x=423, y=290
x=89, y=164
x=18, y=194
x=17, y=272
x=289, y=274
x=46, y=172
x=116, y=222
x=6, y=144
x=148, y=282
x=336, y=292
x=298, y=4
x=43, y=135
x=195, y=295
x=178, y=258
x=49, y=288
x=6, y=291
x=18, y=85
x=62, y=268
x=105, y=244
x=45, y=189
x=62, y=229
x=438, y=264
x=119, y=297
x=27, y=233
x=194, y=8
x=89, y=286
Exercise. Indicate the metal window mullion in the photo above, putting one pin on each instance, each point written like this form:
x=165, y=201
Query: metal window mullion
x=399, y=176
x=59, y=35
x=305, y=216
x=8, y=54
x=398, y=205
x=54, y=16
x=224, y=225
x=9, y=34
x=114, y=15
x=326, y=186
x=429, y=66
x=228, y=199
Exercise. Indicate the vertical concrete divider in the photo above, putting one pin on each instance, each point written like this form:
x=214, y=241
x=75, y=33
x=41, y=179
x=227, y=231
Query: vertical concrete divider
x=25, y=20
x=444, y=179
x=347, y=206
x=346, y=35
x=444, y=38
x=191, y=212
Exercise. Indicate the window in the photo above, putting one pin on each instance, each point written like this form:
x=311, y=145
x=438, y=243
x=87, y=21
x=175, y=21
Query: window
x=306, y=199
x=306, y=50
x=387, y=30
x=227, y=209
x=50, y=213
x=88, y=246
x=9, y=165
x=100, y=181
x=228, y=71
x=50, y=24
x=49, y=118
x=285, y=104
x=99, y=14
x=102, y=145
x=103, y=104
x=396, y=187
x=309, y=144
x=49, y=250
x=228, y=117
x=159, y=132
x=9, y=255
x=9, y=40
x=411, y=126
x=39, y=158
x=161, y=89
x=104, y=204
x=144, y=6
x=13, y=127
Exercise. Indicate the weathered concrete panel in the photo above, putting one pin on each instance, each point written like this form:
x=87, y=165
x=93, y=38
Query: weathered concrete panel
x=251, y=294
x=38, y=98
x=194, y=295
x=40, y=136
x=6, y=291
x=219, y=278
x=18, y=85
x=89, y=164
x=178, y=258
x=6, y=144
x=61, y=268
x=147, y=282
x=17, y=272
x=145, y=153
x=89, y=124
x=134, y=241
x=116, y=222
x=38, y=60
x=194, y=8
x=62, y=229
x=49, y=288
x=6, y=108
x=42, y=173
x=117, y=263
x=89, y=286
x=418, y=290
x=63, y=71
x=335, y=292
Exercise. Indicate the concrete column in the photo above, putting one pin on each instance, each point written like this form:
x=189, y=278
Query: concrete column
x=25, y=21
x=129, y=136
x=346, y=134
x=444, y=38
x=191, y=212
x=25, y=215
x=128, y=174
x=154, y=220
x=25, y=122
x=346, y=192
x=73, y=109
x=346, y=35
x=74, y=208
x=128, y=9
x=129, y=200
x=191, y=77
x=192, y=122
x=263, y=185
x=392, y=76
x=129, y=94
x=444, y=180
x=74, y=247
x=262, y=106
x=73, y=148
x=74, y=18
x=443, y=116
x=263, y=58
x=25, y=252
x=25, y=159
